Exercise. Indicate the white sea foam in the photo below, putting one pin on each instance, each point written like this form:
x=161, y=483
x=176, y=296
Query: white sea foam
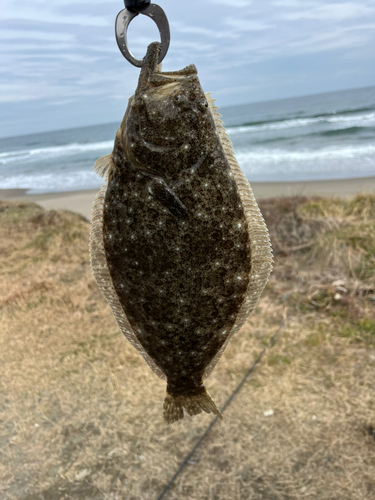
x=54, y=181
x=320, y=163
x=257, y=164
x=262, y=155
x=341, y=121
x=38, y=154
x=305, y=151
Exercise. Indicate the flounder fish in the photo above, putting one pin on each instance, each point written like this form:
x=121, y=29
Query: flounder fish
x=178, y=245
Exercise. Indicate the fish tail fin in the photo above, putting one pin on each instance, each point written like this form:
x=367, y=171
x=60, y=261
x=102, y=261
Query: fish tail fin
x=174, y=405
x=103, y=165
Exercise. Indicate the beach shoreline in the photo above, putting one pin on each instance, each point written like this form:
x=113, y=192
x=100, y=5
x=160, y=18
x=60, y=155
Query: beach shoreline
x=81, y=201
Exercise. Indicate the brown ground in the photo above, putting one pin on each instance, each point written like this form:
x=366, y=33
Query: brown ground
x=81, y=413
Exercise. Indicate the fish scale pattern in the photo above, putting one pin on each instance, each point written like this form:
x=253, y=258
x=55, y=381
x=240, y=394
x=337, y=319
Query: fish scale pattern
x=181, y=282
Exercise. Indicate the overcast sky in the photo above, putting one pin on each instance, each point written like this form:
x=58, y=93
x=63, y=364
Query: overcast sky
x=60, y=66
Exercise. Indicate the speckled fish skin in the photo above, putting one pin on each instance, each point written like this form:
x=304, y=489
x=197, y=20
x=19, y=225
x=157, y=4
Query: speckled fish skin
x=176, y=254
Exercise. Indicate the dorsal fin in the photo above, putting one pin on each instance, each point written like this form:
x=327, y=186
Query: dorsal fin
x=104, y=165
x=260, y=246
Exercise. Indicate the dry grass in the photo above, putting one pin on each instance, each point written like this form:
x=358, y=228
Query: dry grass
x=81, y=413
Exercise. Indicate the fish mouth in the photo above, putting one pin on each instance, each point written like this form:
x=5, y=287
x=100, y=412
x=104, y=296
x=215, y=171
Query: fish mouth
x=151, y=63
x=190, y=70
x=164, y=82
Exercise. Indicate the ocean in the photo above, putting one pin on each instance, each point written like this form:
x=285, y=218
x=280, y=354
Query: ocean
x=325, y=136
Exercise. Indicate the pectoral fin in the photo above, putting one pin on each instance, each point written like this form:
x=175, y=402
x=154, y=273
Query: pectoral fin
x=167, y=197
x=104, y=165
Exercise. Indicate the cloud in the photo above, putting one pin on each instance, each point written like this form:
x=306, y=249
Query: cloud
x=35, y=35
x=29, y=47
x=50, y=17
x=241, y=24
x=233, y=3
x=197, y=30
x=64, y=51
x=292, y=3
x=196, y=46
x=331, y=12
x=46, y=13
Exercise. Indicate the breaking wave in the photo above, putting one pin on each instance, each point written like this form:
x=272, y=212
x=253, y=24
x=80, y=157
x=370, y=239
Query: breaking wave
x=40, y=154
x=310, y=139
x=340, y=120
x=52, y=182
x=338, y=162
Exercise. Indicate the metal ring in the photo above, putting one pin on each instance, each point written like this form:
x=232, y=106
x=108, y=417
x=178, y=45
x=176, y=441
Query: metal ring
x=123, y=20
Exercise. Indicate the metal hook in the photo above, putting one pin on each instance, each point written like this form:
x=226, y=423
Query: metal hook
x=156, y=13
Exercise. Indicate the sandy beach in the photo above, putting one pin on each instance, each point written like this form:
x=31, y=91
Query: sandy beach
x=81, y=201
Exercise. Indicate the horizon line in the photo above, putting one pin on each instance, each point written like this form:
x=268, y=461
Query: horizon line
x=223, y=107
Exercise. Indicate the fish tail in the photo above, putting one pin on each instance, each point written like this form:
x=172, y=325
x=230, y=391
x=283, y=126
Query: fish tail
x=174, y=405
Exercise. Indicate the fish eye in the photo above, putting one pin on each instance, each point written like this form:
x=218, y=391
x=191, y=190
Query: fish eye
x=203, y=105
x=179, y=99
